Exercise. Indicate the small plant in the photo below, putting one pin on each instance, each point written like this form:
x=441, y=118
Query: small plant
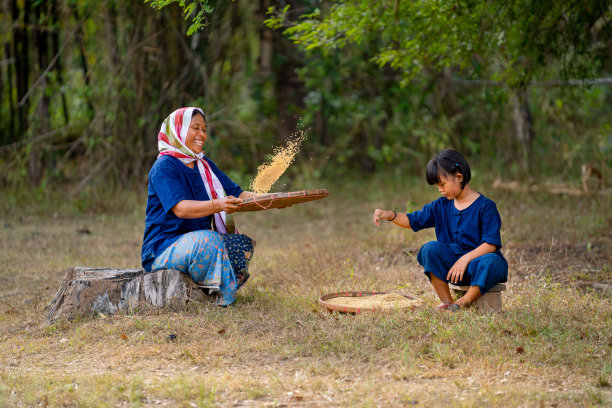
x=207, y=397
x=605, y=376
x=351, y=270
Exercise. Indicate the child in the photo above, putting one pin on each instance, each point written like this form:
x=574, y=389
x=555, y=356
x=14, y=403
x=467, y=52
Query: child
x=467, y=224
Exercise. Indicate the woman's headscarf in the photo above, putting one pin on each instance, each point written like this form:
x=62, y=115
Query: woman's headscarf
x=171, y=142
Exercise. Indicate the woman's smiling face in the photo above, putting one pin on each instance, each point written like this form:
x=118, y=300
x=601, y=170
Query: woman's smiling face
x=196, y=134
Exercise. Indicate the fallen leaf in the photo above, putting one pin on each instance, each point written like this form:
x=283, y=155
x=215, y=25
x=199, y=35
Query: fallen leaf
x=124, y=337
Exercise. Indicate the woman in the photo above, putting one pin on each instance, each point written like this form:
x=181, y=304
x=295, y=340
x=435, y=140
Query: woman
x=188, y=198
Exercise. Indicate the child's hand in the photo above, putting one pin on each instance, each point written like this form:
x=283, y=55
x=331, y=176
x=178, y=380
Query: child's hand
x=455, y=274
x=381, y=215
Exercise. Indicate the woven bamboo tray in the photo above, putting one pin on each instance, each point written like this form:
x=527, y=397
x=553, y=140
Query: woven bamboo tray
x=331, y=307
x=279, y=200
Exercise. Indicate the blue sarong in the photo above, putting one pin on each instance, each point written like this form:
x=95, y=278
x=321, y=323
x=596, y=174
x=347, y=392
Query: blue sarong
x=217, y=263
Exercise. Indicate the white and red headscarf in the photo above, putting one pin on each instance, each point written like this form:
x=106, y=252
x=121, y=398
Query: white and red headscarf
x=171, y=142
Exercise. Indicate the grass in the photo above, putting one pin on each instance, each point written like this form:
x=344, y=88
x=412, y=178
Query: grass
x=551, y=346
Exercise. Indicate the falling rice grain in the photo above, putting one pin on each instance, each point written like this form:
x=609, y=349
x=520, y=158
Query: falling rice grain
x=269, y=173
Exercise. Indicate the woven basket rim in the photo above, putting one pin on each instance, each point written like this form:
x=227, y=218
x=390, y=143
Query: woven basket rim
x=287, y=194
x=282, y=199
x=349, y=309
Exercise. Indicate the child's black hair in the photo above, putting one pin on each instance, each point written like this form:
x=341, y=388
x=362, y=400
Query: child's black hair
x=447, y=163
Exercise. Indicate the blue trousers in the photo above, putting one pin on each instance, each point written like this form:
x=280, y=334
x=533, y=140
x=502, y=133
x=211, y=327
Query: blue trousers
x=485, y=271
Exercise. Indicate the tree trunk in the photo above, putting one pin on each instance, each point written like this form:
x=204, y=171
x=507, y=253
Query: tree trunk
x=267, y=49
x=40, y=123
x=10, y=135
x=21, y=53
x=89, y=291
x=55, y=19
x=523, y=124
x=80, y=41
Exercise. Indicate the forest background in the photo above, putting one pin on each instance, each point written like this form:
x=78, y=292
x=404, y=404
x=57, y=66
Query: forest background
x=522, y=88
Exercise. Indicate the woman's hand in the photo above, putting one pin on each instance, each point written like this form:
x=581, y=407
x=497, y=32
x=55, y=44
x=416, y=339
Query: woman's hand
x=250, y=194
x=381, y=215
x=455, y=274
x=228, y=204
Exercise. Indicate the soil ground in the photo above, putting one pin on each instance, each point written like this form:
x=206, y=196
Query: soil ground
x=550, y=346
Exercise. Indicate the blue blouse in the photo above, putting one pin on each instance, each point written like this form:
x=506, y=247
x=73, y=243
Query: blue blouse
x=462, y=230
x=171, y=181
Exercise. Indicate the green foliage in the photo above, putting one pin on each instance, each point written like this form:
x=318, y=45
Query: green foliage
x=119, y=79
x=196, y=9
x=377, y=86
x=518, y=38
x=386, y=79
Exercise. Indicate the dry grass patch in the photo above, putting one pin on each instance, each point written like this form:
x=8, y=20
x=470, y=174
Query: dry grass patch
x=551, y=346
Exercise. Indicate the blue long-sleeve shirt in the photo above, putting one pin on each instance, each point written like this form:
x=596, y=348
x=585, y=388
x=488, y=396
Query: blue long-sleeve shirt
x=171, y=181
x=463, y=230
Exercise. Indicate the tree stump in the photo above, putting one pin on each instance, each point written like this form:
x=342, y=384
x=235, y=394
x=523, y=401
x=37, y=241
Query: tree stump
x=87, y=291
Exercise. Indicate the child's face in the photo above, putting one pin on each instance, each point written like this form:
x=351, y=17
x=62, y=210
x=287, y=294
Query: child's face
x=450, y=186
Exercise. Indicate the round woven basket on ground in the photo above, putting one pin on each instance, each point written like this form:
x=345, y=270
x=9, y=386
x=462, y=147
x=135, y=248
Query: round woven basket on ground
x=280, y=200
x=325, y=302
